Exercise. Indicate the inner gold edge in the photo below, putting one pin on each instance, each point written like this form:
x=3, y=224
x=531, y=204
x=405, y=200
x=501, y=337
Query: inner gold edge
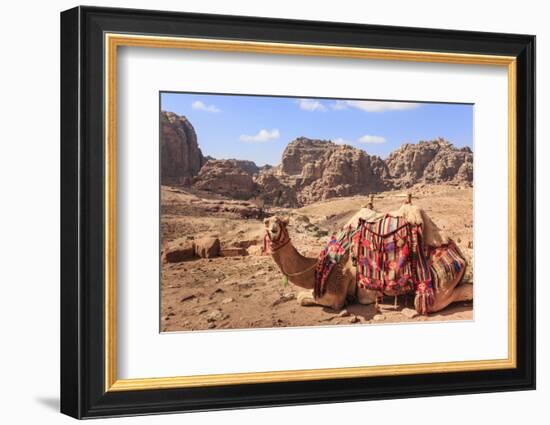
x=112, y=41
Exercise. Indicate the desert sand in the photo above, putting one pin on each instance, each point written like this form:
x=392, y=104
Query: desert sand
x=248, y=291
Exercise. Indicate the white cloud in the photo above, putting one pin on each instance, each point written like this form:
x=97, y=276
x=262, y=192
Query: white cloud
x=374, y=106
x=261, y=136
x=367, y=138
x=201, y=106
x=341, y=141
x=311, y=105
x=339, y=105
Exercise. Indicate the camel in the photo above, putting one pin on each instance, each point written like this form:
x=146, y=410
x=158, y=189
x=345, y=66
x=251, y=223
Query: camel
x=341, y=284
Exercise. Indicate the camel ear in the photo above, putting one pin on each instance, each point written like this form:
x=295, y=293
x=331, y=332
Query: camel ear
x=266, y=222
x=285, y=220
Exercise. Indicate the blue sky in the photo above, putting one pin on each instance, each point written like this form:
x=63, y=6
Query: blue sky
x=258, y=128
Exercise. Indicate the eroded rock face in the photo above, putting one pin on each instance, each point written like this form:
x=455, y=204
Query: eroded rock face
x=303, y=151
x=181, y=157
x=436, y=161
x=274, y=190
x=322, y=169
x=228, y=177
x=249, y=167
x=310, y=170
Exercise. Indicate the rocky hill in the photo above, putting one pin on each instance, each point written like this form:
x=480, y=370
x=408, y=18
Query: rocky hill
x=310, y=170
x=319, y=169
x=228, y=177
x=436, y=161
x=181, y=157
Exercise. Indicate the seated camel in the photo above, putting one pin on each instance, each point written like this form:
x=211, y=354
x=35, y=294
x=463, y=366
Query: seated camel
x=343, y=283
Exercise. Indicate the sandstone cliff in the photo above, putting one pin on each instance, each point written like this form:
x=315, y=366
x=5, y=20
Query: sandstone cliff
x=436, y=161
x=322, y=170
x=310, y=170
x=228, y=177
x=181, y=157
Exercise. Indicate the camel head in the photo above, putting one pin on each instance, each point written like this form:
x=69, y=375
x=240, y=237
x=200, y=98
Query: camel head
x=274, y=227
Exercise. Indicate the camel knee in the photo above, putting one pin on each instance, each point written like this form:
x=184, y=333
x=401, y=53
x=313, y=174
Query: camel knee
x=306, y=299
x=333, y=301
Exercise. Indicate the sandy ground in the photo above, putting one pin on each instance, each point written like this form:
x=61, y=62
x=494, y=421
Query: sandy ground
x=248, y=291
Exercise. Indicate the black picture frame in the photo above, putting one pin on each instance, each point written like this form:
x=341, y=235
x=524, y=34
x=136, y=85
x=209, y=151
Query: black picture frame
x=83, y=392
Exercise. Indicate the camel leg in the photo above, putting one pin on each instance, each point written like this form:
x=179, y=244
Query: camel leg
x=306, y=298
x=453, y=293
x=366, y=296
x=333, y=301
x=336, y=290
x=444, y=297
x=462, y=292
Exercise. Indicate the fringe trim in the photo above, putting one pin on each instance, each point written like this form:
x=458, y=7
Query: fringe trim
x=423, y=300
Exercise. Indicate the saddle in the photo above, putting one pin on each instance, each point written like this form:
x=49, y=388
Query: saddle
x=389, y=256
x=391, y=259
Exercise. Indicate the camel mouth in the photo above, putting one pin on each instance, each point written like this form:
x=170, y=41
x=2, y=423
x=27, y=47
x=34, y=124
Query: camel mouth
x=273, y=231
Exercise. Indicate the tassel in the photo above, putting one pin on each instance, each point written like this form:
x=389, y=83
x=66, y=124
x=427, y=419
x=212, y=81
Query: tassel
x=423, y=301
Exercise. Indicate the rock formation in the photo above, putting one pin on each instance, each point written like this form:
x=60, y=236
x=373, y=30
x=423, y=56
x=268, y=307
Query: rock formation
x=178, y=250
x=313, y=170
x=181, y=157
x=208, y=247
x=321, y=169
x=436, y=161
x=276, y=189
x=228, y=177
x=310, y=170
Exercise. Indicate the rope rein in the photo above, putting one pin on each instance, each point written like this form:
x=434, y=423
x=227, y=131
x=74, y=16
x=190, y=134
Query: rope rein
x=301, y=272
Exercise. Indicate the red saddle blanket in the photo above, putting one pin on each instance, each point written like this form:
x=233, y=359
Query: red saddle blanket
x=389, y=256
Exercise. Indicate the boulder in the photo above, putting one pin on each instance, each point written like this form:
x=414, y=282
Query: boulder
x=179, y=250
x=207, y=247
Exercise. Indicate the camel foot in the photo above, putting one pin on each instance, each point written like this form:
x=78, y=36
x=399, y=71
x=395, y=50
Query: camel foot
x=305, y=299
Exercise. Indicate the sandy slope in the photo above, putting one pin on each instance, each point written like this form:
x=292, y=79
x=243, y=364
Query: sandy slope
x=248, y=291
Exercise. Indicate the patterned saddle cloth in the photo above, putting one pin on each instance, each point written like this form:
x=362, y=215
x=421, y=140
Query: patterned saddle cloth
x=390, y=258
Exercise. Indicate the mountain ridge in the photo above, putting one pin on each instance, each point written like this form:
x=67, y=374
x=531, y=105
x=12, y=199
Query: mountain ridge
x=310, y=169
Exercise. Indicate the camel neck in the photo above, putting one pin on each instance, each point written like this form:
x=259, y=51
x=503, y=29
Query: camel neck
x=299, y=269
